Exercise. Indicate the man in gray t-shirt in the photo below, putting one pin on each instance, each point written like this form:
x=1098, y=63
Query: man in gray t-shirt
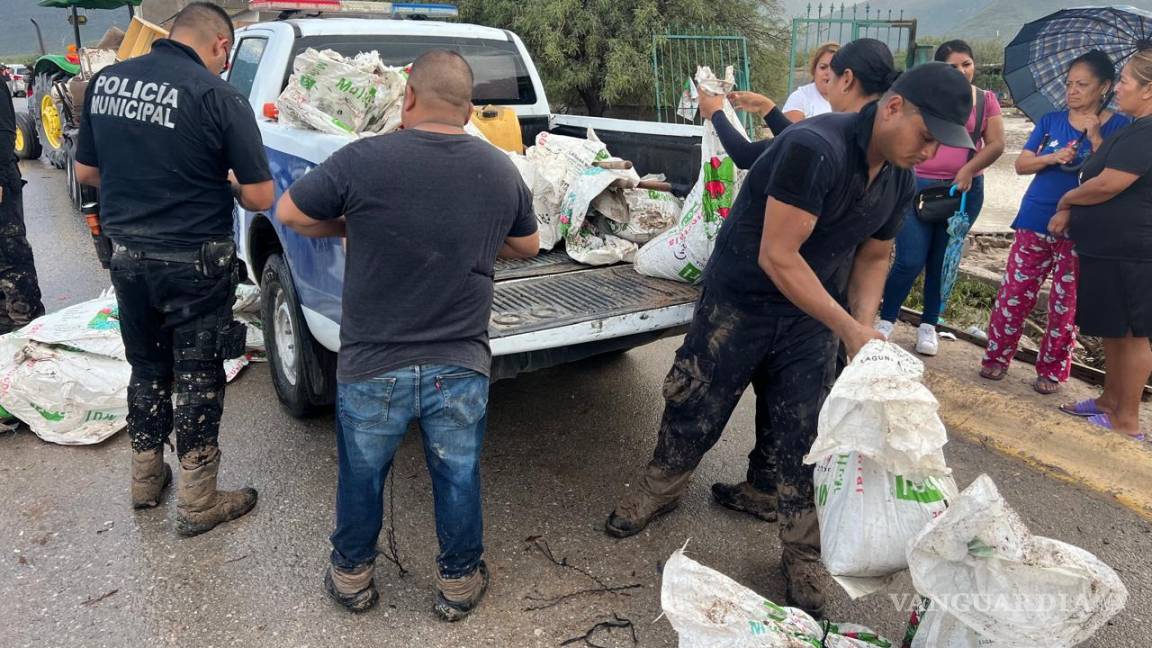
x=426, y=212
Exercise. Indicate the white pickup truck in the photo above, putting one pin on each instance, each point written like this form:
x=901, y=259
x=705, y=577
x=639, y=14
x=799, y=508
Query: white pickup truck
x=547, y=311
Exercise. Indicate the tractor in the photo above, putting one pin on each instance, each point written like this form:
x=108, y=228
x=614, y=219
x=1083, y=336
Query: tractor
x=56, y=95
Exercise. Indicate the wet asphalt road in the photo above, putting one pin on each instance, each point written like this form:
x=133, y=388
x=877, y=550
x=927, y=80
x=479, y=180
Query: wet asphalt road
x=79, y=568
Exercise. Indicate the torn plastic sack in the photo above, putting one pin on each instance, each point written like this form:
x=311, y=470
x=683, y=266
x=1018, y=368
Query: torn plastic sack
x=646, y=213
x=682, y=252
x=710, y=610
x=979, y=563
x=583, y=240
x=880, y=475
x=335, y=94
x=559, y=161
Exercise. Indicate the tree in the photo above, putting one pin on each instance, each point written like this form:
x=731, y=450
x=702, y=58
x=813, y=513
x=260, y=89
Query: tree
x=599, y=52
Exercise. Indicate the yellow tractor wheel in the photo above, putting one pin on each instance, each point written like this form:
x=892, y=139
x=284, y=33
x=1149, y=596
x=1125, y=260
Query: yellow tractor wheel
x=27, y=142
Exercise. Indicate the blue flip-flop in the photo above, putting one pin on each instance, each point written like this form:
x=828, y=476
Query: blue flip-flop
x=1085, y=408
x=1105, y=421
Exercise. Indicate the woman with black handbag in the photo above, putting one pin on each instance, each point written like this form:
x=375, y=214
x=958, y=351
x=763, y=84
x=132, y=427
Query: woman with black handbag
x=923, y=239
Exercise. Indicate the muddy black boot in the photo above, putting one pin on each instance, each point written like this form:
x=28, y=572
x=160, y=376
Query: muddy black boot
x=746, y=498
x=150, y=476
x=201, y=507
x=456, y=598
x=657, y=492
x=355, y=590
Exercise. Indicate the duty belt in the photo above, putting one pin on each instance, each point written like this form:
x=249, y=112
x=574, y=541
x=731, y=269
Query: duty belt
x=174, y=256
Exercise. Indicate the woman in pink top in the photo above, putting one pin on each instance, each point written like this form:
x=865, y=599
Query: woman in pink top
x=920, y=246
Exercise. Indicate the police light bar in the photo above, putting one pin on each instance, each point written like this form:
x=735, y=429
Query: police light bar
x=391, y=9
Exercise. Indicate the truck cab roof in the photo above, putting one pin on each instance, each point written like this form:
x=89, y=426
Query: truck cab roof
x=378, y=27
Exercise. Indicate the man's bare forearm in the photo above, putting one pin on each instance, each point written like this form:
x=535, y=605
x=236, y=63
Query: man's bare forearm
x=321, y=229
x=866, y=289
x=796, y=280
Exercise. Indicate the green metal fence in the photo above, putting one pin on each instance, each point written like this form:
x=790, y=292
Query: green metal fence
x=674, y=61
x=824, y=23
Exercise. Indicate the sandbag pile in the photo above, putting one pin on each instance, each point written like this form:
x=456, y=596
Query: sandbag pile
x=65, y=374
x=336, y=94
x=582, y=204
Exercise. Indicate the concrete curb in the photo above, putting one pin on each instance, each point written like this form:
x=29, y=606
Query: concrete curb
x=1043, y=437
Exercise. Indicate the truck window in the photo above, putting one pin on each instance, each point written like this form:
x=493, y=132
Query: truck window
x=501, y=74
x=242, y=71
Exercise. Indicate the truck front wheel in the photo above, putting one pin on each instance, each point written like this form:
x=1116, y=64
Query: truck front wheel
x=303, y=372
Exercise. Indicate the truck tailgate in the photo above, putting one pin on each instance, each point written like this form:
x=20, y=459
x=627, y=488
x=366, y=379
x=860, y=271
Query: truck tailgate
x=553, y=291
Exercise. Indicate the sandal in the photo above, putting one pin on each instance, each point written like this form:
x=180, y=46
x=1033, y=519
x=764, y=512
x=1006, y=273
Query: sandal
x=1085, y=408
x=1105, y=421
x=1046, y=386
x=994, y=373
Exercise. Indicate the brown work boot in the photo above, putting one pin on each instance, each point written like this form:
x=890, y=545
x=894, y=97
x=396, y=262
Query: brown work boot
x=201, y=507
x=657, y=492
x=355, y=590
x=807, y=581
x=746, y=498
x=457, y=597
x=150, y=476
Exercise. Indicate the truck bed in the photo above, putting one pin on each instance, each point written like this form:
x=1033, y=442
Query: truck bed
x=551, y=291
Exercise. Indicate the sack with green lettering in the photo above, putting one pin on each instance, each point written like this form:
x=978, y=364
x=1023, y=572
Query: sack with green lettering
x=880, y=476
x=710, y=610
x=65, y=376
x=342, y=95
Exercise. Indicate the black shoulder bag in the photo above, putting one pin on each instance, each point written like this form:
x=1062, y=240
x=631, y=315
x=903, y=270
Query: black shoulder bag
x=937, y=203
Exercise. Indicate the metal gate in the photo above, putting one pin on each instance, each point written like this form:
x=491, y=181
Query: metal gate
x=824, y=23
x=674, y=61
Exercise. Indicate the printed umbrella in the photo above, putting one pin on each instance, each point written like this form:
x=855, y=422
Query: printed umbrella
x=1036, y=61
x=958, y=226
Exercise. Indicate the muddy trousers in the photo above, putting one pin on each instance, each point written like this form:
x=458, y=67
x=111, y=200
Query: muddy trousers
x=789, y=362
x=175, y=313
x=20, y=300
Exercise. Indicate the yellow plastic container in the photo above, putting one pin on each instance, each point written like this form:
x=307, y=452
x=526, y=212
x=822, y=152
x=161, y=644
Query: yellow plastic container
x=139, y=37
x=501, y=126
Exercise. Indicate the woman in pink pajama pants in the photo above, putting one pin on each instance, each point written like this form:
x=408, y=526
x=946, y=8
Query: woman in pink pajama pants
x=1035, y=254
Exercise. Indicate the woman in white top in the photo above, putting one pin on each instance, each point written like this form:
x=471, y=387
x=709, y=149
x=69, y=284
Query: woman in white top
x=812, y=99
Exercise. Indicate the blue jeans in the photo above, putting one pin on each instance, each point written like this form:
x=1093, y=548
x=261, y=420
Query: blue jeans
x=451, y=404
x=920, y=248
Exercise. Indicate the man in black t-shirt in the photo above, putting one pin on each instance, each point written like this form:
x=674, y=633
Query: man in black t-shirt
x=426, y=211
x=20, y=300
x=830, y=192
x=161, y=135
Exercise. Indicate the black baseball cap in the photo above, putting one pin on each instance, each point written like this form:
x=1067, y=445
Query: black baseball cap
x=944, y=98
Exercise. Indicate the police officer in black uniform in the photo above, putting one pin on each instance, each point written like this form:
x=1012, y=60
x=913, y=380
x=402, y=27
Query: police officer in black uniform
x=170, y=144
x=19, y=289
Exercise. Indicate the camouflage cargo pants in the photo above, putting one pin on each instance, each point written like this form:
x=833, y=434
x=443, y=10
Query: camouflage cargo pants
x=789, y=361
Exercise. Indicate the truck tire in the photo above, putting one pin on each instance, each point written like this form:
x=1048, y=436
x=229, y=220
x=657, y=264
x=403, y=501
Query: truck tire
x=48, y=108
x=27, y=141
x=303, y=372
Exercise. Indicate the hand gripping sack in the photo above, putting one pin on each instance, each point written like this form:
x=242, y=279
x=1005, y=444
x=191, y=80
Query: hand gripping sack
x=682, y=252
